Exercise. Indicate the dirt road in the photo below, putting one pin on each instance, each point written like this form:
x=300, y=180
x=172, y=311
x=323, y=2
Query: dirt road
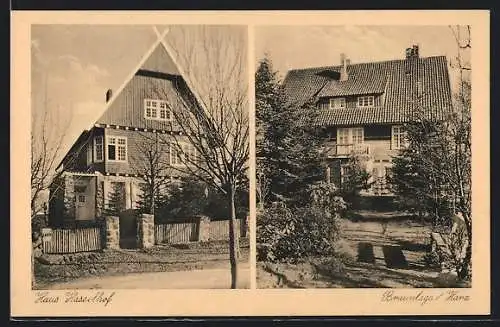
x=194, y=279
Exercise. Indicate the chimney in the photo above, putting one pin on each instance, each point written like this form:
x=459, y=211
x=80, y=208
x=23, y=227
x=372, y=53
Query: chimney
x=409, y=53
x=412, y=52
x=415, y=50
x=343, y=71
x=109, y=94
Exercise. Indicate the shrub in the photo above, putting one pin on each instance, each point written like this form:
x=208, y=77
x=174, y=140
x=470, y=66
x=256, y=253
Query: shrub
x=285, y=234
x=330, y=267
x=355, y=179
x=37, y=223
x=192, y=198
x=432, y=260
x=344, y=251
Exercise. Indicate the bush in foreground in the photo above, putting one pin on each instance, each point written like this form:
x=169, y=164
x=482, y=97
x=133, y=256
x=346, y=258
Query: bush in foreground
x=290, y=234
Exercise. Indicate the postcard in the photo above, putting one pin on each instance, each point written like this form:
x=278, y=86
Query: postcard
x=250, y=163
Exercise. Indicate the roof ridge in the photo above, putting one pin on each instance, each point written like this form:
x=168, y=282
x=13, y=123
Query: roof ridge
x=359, y=63
x=116, y=94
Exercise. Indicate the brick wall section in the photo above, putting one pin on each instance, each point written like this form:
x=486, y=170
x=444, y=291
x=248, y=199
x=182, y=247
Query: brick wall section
x=145, y=231
x=203, y=229
x=112, y=232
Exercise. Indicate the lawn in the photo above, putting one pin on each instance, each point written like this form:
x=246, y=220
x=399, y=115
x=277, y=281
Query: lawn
x=194, y=256
x=386, y=250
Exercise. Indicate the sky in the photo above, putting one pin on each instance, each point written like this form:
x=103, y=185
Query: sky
x=292, y=47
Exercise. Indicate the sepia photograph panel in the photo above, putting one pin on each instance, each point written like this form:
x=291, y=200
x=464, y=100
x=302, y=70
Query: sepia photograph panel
x=363, y=154
x=139, y=157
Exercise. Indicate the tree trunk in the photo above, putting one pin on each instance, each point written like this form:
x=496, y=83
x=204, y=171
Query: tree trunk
x=233, y=240
x=152, y=202
x=464, y=271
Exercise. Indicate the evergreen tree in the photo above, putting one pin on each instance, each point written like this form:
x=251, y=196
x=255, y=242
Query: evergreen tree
x=116, y=201
x=287, y=142
x=354, y=179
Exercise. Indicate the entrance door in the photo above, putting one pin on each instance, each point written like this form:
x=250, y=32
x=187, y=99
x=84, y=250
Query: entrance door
x=84, y=201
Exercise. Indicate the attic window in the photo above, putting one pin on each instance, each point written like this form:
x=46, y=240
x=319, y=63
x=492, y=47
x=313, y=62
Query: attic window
x=336, y=103
x=366, y=101
x=155, y=109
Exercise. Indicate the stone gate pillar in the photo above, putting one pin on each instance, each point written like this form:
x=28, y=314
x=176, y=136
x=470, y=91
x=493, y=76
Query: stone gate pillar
x=145, y=231
x=112, y=227
x=203, y=229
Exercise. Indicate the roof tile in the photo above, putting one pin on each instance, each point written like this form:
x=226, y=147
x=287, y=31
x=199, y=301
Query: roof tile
x=398, y=80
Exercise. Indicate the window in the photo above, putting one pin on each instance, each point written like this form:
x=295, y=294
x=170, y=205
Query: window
x=175, y=155
x=336, y=103
x=357, y=135
x=350, y=135
x=81, y=198
x=189, y=152
x=99, y=149
x=157, y=110
x=89, y=154
x=117, y=148
x=366, y=101
x=184, y=156
x=343, y=136
x=398, y=137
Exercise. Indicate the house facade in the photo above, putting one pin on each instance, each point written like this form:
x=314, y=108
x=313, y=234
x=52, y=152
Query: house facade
x=111, y=154
x=363, y=107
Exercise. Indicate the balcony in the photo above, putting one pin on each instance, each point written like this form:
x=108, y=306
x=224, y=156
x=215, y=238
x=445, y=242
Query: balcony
x=344, y=150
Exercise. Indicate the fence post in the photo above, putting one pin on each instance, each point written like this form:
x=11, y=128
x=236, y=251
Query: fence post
x=145, y=231
x=203, y=229
x=46, y=238
x=112, y=232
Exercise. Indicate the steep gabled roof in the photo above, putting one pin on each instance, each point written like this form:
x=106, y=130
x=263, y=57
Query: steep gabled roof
x=159, y=76
x=158, y=69
x=407, y=85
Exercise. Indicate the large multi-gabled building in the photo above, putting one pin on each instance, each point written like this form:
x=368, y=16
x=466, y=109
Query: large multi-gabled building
x=362, y=107
x=110, y=154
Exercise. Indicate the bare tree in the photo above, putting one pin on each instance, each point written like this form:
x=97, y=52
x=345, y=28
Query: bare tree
x=153, y=169
x=459, y=128
x=212, y=123
x=436, y=168
x=47, y=137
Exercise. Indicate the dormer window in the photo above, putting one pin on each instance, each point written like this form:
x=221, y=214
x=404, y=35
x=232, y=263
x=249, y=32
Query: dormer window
x=155, y=109
x=337, y=103
x=366, y=101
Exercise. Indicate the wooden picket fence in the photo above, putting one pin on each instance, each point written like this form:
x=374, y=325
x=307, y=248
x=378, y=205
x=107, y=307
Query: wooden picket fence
x=59, y=241
x=176, y=233
x=179, y=233
x=219, y=230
